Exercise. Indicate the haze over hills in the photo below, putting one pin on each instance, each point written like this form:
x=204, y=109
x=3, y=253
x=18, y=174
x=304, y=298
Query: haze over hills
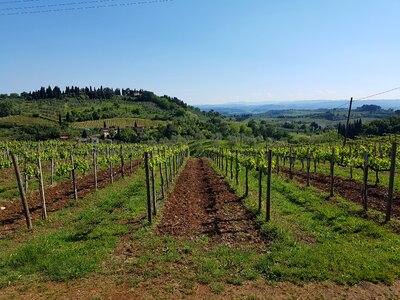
x=255, y=108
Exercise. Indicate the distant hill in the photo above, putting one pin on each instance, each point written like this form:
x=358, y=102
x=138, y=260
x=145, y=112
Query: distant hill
x=256, y=108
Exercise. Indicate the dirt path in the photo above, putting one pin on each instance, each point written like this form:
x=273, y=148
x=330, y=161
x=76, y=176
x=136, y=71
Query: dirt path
x=202, y=203
x=57, y=197
x=349, y=189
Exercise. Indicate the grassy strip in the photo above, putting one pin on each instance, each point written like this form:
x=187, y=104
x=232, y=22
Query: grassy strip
x=85, y=235
x=315, y=239
x=344, y=172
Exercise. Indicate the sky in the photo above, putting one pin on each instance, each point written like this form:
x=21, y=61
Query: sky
x=205, y=51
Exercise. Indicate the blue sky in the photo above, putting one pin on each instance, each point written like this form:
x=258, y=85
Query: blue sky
x=207, y=51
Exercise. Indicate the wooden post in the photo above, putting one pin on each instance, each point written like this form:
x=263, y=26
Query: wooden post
x=22, y=192
x=365, y=182
x=259, y=189
x=146, y=166
x=351, y=167
x=52, y=171
x=277, y=164
x=231, y=166
x=226, y=166
x=347, y=123
x=237, y=169
x=162, y=180
x=246, y=193
x=222, y=160
x=308, y=167
x=41, y=188
x=121, y=155
x=95, y=169
x=332, y=172
x=153, y=186
x=73, y=177
x=166, y=169
x=391, y=183
x=291, y=163
x=170, y=169
x=269, y=174
x=110, y=166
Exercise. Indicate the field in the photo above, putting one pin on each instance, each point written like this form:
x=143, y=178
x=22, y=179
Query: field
x=208, y=240
x=118, y=122
x=24, y=120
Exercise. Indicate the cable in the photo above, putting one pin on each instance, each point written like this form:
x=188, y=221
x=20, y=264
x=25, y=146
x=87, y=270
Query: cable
x=378, y=94
x=17, y=1
x=76, y=8
x=55, y=5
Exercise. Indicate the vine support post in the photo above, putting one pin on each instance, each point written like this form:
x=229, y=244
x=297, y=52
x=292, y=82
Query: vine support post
x=222, y=159
x=121, y=156
x=21, y=191
x=391, y=183
x=52, y=171
x=332, y=171
x=277, y=164
x=41, y=188
x=351, y=167
x=95, y=168
x=146, y=166
x=153, y=185
x=308, y=167
x=73, y=175
x=291, y=163
x=246, y=192
x=237, y=168
x=161, y=177
x=166, y=168
x=365, y=182
x=231, y=162
x=259, y=189
x=269, y=174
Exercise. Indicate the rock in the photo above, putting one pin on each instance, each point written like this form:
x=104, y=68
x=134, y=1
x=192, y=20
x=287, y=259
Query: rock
x=2, y=208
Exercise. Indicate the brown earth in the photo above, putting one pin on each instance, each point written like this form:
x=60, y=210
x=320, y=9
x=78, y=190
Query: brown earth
x=202, y=203
x=57, y=197
x=350, y=189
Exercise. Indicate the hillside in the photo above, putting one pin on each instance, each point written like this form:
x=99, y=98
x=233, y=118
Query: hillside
x=84, y=112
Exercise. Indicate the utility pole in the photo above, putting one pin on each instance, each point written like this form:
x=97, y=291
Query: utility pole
x=347, y=123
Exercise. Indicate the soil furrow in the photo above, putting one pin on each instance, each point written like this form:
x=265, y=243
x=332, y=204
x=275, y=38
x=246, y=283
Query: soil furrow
x=203, y=204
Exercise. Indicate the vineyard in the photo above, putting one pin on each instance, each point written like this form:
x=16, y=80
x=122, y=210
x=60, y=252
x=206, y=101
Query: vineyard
x=68, y=175
x=132, y=219
x=118, y=122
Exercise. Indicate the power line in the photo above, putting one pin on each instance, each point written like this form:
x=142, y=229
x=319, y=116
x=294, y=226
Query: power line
x=55, y=5
x=367, y=97
x=378, y=94
x=77, y=8
x=17, y=1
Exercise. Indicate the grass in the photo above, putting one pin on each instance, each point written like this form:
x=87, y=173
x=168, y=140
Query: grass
x=85, y=235
x=324, y=168
x=313, y=239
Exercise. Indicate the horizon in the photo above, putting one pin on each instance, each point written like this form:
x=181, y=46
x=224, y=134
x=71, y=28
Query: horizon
x=244, y=51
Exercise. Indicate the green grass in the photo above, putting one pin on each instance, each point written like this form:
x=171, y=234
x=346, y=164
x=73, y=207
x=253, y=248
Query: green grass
x=344, y=172
x=314, y=239
x=85, y=235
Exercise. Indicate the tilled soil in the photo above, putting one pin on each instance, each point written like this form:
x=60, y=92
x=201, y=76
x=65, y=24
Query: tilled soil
x=350, y=189
x=57, y=197
x=202, y=203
